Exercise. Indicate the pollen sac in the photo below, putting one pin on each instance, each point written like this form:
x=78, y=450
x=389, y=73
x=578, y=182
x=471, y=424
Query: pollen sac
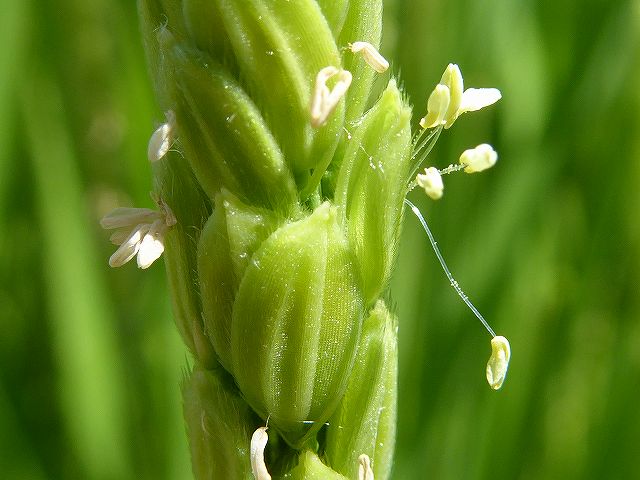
x=324, y=101
x=218, y=424
x=296, y=324
x=259, y=441
x=371, y=185
x=371, y=55
x=498, y=362
x=227, y=243
x=474, y=99
x=437, y=107
x=431, y=182
x=162, y=138
x=478, y=159
x=365, y=472
x=452, y=79
x=364, y=422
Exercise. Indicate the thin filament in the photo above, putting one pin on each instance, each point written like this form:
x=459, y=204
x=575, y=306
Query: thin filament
x=447, y=272
x=422, y=147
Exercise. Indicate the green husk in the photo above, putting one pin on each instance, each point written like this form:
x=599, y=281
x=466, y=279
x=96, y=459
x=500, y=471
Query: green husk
x=296, y=324
x=365, y=420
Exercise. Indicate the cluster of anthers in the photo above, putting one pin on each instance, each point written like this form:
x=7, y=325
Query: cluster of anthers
x=138, y=231
x=447, y=102
x=141, y=231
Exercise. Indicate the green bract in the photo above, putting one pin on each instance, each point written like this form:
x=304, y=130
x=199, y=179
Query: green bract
x=228, y=241
x=370, y=187
x=296, y=324
x=365, y=421
x=219, y=426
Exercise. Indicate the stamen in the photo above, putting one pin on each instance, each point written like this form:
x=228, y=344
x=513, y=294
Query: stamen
x=130, y=247
x=365, y=472
x=498, y=362
x=259, y=441
x=449, y=100
x=323, y=100
x=127, y=217
x=162, y=139
x=370, y=55
x=478, y=159
x=139, y=231
x=474, y=99
x=431, y=182
x=437, y=107
x=151, y=246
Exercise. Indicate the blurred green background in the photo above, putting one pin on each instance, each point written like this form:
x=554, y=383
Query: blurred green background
x=546, y=244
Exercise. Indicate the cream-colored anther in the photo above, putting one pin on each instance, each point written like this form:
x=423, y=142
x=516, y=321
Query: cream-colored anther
x=152, y=245
x=371, y=55
x=452, y=79
x=459, y=100
x=365, y=472
x=138, y=231
x=162, y=139
x=323, y=100
x=476, y=98
x=259, y=441
x=479, y=158
x=431, y=182
x=437, y=107
x=498, y=362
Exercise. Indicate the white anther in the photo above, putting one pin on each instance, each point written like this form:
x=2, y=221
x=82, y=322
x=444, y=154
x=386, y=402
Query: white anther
x=458, y=100
x=125, y=217
x=437, y=107
x=476, y=98
x=479, y=158
x=431, y=182
x=365, y=472
x=130, y=247
x=259, y=441
x=138, y=231
x=371, y=55
x=498, y=362
x=151, y=246
x=162, y=139
x=323, y=100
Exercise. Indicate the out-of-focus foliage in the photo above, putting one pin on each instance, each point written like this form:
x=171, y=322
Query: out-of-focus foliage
x=547, y=244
